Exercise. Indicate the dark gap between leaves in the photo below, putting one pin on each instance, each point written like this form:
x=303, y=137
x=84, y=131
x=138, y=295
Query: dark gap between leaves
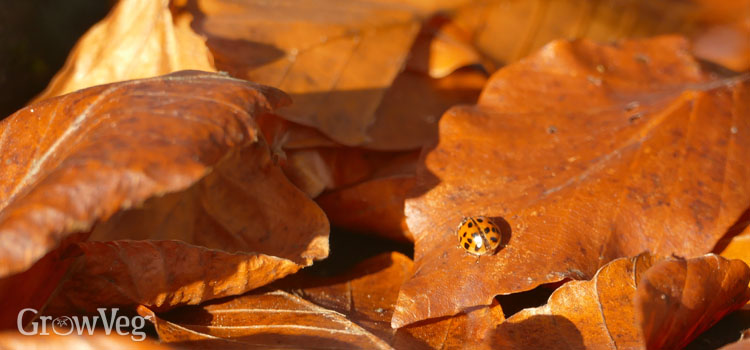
x=513, y=303
x=348, y=249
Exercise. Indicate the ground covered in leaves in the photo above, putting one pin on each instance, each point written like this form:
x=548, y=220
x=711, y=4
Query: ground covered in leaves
x=291, y=174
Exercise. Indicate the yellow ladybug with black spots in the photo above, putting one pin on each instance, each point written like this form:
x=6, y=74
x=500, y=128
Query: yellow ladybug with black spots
x=478, y=235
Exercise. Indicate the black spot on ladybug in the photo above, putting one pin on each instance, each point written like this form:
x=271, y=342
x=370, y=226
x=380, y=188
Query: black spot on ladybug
x=486, y=230
x=469, y=240
x=494, y=229
x=478, y=220
x=476, y=249
x=493, y=239
x=464, y=233
x=466, y=245
x=470, y=225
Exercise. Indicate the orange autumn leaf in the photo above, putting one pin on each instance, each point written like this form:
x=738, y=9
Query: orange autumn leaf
x=336, y=59
x=138, y=39
x=506, y=31
x=587, y=153
x=262, y=321
x=411, y=108
x=367, y=295
x=376, y=205
x=348, y=311
x=739, y=247
x=442, y=47
x=341, y=62
x=177, y=157
x=678, y=299
x=315, y=170
x=623, y=306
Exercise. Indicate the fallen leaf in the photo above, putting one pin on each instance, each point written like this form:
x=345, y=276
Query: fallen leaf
x=177, y=157
x=619, y=309
x=506, y=31
x=441, y=48
x=725, y=44
x=336, y=59
x=679, y=299
x=582, y=153
x=367, y=295
x=342, y=64
x=408, y=116
x=375, y=206
x=309, y=161
x=137, y=39
x=348, y=311
x=728, y=330
x=739, y=247
x=315, y=170
x=261, y=321
x=154, y=273
x=285, y=135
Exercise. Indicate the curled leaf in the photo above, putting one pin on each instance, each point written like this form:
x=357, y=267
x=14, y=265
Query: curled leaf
x=679, y=299
x=261, y=321
x=619, y=308
x=177, y=157
x=138, y=39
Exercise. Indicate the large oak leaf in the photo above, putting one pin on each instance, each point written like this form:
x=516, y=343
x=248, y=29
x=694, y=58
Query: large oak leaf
x=177, y=157
x=583, y=153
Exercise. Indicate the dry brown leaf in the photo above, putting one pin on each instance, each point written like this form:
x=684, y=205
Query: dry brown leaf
x=138, y=39
x=367, y=295
x=342, y=64
x=375, y=206
x=317, y=169
x=13, y=340
x=363, y=297
x=161, y=274
x=506, y=31
x=336, y=59
x=262, y=321
x=678, y=299
x=675, y=299
x=441, y=48
x=177, y=157
x=286, y=135
x=726, y=44
x=408, y=116
x=739, y=247
x=583, y=153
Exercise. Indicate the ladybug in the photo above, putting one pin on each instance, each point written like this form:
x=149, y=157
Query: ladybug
x=478, y=235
